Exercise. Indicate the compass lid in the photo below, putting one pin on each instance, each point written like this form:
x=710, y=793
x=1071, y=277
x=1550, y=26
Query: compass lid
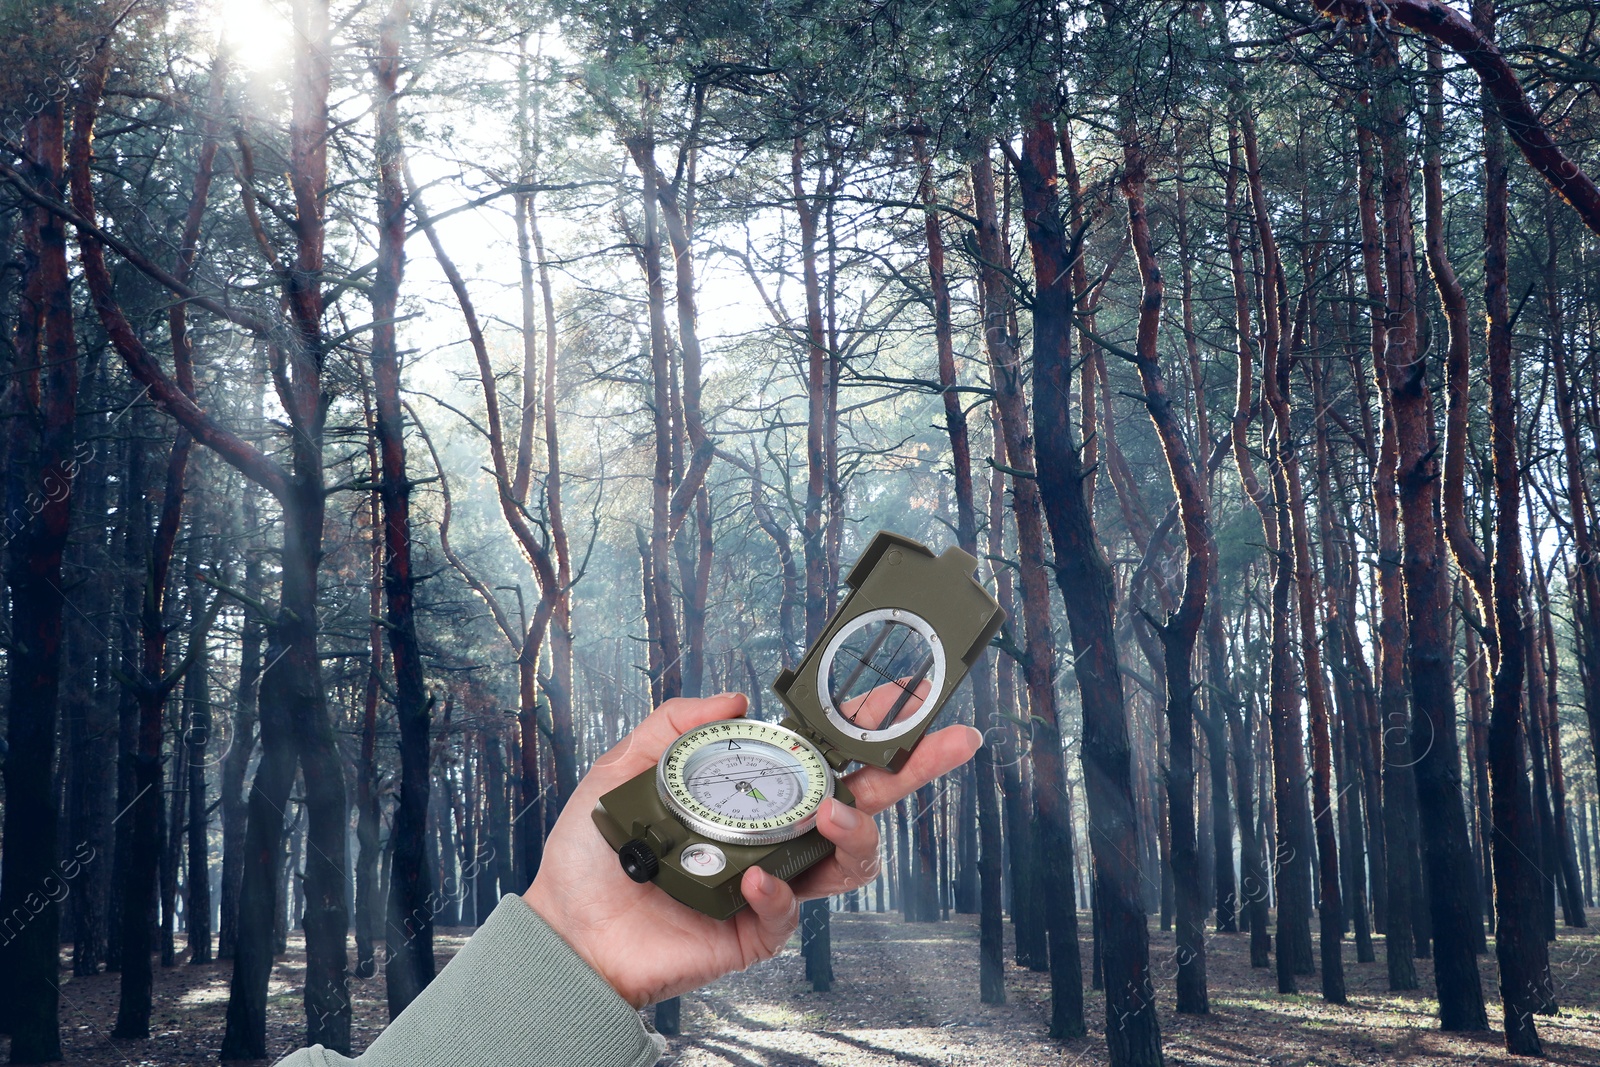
x=893, y=653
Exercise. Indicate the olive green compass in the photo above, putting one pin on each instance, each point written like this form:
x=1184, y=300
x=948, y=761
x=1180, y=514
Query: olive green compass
x=738, y=793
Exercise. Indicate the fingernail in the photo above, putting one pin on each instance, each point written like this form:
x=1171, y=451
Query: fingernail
x=844, y=816
x=765, y=883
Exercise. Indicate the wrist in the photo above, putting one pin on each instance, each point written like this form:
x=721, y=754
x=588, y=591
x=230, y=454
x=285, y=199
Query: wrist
x=547, y=906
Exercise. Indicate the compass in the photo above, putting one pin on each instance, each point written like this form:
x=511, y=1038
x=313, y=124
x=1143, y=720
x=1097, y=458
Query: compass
x=733, y=794
x=744, y=782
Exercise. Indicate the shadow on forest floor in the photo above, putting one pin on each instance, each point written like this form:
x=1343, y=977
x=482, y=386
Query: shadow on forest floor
x=906, y=994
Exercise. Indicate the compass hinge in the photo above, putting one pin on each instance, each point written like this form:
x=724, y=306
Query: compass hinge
x=836, y=759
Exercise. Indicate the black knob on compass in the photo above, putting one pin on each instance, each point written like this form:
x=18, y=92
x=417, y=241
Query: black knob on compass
x=638, y=861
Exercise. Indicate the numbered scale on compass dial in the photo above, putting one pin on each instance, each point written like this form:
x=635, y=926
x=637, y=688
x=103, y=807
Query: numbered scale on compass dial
x=744, y=782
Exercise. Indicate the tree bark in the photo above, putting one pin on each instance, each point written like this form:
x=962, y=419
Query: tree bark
x=1290, y=805
x=1275, y=380
x=558, y=686
x=1566, y=858
x=1053, y=847
x=236, y=763
x=1133, y=1033
x=1399, y=791
x=1525, y=987
x=1000, y=343
x=527, y=637
x=369, y=908
x=1585, y=576
x=1219, y=694
x=409, y=964
x=40, y=471
x=1341, y=637
x=89, y=703
x=816, y=939
x=1182, y=626
x=197, y=733
x=1445, y=849
x=991, y=934
x=1256, y=881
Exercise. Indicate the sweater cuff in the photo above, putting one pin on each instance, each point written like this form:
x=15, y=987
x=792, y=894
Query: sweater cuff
x=516, y=995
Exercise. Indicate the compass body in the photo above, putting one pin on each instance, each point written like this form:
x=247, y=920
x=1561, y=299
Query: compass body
x=708, y=812
x=735, y=793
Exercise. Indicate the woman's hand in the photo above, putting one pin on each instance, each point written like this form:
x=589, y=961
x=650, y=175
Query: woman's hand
x=650, y=947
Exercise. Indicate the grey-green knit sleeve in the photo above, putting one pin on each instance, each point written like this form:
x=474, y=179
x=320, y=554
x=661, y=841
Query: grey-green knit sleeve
x=516, y=995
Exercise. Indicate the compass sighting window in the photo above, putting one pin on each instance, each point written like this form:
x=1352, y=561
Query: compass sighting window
x=883, y=673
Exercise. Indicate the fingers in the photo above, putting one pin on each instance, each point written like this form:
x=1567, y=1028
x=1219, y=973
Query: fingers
x=773, y=915
x=876, y=710
x=644, y=746
x=939, y=753
x=854, y=862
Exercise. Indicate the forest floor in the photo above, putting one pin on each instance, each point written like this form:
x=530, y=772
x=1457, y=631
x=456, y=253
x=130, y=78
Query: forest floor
x=907, y=994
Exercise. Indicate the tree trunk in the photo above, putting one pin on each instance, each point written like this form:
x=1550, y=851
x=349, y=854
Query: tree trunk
x=1292, y=812
x=236, y=763
x=816, y=938
x=1525, y=987
x=527, y=638
x=1566, y=858
x=41, y=465
x=259, y=904
x=134, y=532
x=171, y=832
x=1585, y=582
x=89, y=709
x=558, y=687
x=1399, y=790
x=1084, y=574
x=369, y=909
x=1339, y=629
x=1053, y=849
x=197, y=732
x=1031, y=950
x=991, y=941
x=499, y=820
x=1182, y=627
x=1445, y=849
x=1309, y=594
x=409, y=964
x=152, y=683
x=1256, y=879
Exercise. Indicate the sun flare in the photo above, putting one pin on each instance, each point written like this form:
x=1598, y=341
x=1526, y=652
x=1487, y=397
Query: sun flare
x=256, y=31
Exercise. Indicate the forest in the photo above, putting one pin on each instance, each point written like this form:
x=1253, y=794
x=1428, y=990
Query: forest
x=401, y=398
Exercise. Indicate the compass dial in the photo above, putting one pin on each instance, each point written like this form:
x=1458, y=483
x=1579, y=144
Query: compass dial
x=744, y=782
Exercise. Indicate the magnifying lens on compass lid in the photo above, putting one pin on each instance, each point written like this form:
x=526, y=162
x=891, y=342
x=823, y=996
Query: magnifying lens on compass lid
x=733, y=794
x=881, y=670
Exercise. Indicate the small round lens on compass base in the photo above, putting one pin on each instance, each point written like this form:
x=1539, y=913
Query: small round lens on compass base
x=703, y=859
x=883, y=672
